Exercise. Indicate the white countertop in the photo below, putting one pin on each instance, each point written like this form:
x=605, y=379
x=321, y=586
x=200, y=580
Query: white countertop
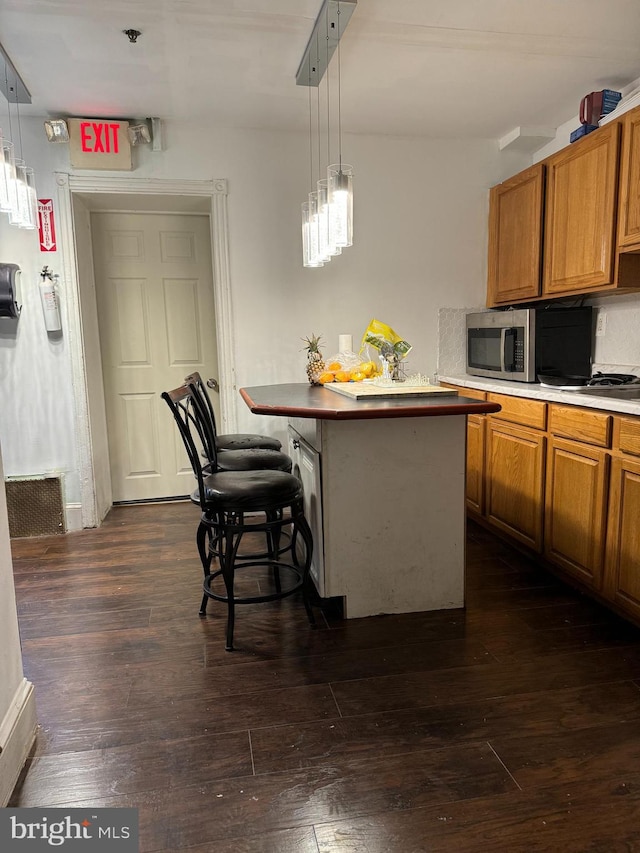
x=535, y=391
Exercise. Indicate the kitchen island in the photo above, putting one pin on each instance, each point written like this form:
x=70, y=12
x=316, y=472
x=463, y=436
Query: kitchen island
x=384, y=488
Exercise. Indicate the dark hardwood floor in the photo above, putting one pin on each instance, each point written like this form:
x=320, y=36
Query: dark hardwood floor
x=511, y=726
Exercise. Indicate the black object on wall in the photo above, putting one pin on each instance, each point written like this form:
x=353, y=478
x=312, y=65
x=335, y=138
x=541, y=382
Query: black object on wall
x=10, y=296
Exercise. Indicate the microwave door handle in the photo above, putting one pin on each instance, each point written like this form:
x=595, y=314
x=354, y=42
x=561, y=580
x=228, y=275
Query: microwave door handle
x=510, y=342
x=503, y=343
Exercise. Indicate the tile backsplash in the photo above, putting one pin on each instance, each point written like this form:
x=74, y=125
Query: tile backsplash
x=452, y=351
x=616, y=349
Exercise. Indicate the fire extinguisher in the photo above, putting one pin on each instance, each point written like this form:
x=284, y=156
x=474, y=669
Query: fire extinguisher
x=50, y=300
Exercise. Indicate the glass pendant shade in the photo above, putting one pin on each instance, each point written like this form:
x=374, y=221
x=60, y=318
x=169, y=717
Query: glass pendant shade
x=19, y=215
x=7, y=177
x=327, y=234
x=315, y=258
x=307, y=259
x=30, y=213
x=340, y=177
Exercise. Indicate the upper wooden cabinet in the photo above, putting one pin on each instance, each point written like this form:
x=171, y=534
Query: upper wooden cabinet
x=515, y=238
x=629, y=212
x=571, y=224
x=582, y=180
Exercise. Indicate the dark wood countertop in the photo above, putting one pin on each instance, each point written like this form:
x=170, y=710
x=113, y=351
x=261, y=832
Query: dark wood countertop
x=302, y=400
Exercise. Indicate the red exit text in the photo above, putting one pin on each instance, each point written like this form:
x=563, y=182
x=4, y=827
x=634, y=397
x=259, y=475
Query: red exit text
x=99, y=137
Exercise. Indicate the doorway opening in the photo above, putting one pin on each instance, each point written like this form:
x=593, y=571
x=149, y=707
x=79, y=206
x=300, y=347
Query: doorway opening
x=148, y=274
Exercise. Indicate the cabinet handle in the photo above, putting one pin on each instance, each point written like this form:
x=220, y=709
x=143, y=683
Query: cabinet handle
x=296, y=444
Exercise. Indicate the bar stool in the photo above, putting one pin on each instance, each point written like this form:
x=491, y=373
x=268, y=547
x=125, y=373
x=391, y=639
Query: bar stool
x=234, y=504
x=230, y=441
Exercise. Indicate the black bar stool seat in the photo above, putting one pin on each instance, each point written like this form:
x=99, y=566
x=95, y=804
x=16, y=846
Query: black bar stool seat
x=246, y=441
x=253, y=458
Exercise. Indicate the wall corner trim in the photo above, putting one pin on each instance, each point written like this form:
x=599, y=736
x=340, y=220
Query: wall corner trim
x=17, y=734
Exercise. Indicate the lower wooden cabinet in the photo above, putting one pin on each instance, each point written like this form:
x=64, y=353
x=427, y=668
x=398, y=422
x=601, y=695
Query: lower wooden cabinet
x=515, y=481
x=622, y=567
x=564, y=481
x=476, y=429
x=575, y=509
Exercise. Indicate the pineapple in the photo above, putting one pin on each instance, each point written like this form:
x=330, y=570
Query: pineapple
x=315, y=362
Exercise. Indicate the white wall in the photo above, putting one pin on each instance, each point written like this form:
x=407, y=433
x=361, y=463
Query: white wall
x=420, y=243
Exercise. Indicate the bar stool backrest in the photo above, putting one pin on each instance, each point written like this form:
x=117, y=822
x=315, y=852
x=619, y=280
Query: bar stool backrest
x=193, y=430
x=195, y=380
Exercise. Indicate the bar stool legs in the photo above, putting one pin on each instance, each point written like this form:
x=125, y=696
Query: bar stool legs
x=226, y=531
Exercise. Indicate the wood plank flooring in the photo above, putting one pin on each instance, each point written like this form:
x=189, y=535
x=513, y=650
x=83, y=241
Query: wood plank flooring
x=513, y=725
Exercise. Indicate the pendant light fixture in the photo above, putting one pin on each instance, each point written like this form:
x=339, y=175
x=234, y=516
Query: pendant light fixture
x=327, y=216
x=18, y=197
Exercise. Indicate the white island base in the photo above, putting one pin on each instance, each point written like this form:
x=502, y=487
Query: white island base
x=385, y=499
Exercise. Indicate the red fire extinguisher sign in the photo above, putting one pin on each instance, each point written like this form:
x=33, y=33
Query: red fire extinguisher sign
x=46, y=225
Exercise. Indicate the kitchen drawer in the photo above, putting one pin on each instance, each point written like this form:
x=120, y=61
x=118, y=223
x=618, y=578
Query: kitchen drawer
x=310, y=430
x=581, y=424
x=473, y=393
x=519, y=410
x=626, y=435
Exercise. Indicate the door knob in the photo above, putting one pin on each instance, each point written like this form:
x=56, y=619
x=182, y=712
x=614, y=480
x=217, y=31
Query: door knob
x=213, y=383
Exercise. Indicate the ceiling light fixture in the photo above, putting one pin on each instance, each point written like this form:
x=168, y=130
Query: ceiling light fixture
x=327, y=218
x=56, y=130
x=139, y=134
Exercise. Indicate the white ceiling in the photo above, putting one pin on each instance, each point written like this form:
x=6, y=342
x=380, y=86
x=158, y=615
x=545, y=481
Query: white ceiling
x=431, y=67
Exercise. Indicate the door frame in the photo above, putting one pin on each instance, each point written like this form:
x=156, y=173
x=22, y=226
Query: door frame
x=216, y=191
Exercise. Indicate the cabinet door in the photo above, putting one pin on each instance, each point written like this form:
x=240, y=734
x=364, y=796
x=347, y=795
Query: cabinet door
x=515, y=238
x=622, y=569
x=580, y=214
x=629, y=208
x=514, y=483
x=306, y=466
x=575, y=509
x=476, y=429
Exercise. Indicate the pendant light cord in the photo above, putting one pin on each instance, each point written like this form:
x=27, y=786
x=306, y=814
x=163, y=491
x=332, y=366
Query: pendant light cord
x=339, y=96
x=328, y=91
x=19, y=124
x=310, y=139
x=6, y=83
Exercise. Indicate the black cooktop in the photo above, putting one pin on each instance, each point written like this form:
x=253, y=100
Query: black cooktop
x=600, y=379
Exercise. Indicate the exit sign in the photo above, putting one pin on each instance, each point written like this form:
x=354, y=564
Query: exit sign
x=99, y=143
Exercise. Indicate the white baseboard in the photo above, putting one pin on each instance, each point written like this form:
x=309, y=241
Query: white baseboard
x=73, y=517
x=17, y=734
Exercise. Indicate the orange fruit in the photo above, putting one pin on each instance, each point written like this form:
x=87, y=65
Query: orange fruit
x=325, y=377
x=342, y=376
x=335, y=365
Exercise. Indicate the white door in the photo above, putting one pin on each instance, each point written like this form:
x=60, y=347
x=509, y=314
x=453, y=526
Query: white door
x=154, y=292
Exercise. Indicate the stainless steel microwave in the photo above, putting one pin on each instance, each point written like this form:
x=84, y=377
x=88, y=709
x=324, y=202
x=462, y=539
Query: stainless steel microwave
x=521, y=344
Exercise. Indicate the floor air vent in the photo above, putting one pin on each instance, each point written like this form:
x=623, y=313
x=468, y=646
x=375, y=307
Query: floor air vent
x=35, y=506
